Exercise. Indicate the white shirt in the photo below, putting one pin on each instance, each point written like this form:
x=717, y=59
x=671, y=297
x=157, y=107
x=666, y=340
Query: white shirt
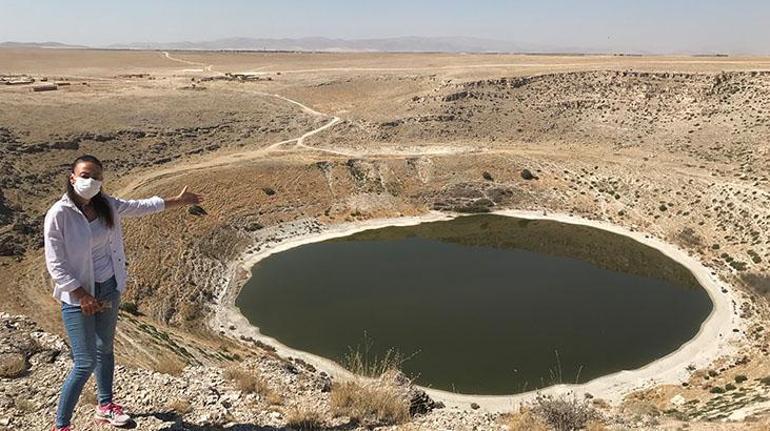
x=100, y=250
x=67, y=238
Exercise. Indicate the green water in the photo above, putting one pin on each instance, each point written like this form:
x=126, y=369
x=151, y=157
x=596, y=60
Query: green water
x=481, y=304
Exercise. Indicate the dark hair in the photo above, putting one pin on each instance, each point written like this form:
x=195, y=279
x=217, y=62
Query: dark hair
x=100, y=204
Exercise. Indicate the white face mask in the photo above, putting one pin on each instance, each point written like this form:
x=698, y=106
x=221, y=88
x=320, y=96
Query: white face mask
x=87, y=188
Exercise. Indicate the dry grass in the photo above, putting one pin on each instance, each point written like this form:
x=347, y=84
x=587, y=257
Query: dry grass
x=304, y=418
x=24, y=404
x=273, y=398
x=171, y=365
x=595, y=425
x=179, y=406
x=249, y=382
x=524, y=420
x=376, y=398
x=364, y=363
x=370, y=402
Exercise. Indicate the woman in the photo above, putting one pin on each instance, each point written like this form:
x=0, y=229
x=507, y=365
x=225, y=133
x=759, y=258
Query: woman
x=84, y=255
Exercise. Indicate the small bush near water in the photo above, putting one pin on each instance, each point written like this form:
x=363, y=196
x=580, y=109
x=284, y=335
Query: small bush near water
x=565, y=413
x=373, y=403
x=378, y=396
x=303, y=418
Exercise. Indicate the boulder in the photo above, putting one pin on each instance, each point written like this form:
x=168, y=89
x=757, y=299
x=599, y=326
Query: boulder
x=528, y=175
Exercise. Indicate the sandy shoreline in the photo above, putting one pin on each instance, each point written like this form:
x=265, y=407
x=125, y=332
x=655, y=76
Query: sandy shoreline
x=715, y=338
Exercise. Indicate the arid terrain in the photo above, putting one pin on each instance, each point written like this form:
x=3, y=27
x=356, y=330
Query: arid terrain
x=290, y=144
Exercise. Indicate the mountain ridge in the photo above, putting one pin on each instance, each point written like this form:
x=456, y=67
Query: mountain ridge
x=392, y=44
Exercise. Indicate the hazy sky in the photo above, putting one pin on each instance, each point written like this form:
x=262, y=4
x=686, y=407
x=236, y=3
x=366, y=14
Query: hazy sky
x=730, y=26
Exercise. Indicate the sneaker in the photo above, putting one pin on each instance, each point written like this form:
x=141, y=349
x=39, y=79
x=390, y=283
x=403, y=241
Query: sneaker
x=113, y=414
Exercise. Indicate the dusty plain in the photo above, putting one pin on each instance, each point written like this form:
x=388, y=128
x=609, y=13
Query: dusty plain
x=286, y=145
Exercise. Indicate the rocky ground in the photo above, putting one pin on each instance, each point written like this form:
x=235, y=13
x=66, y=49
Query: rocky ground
x=259, y=392
x=671, y=147
x=34, y=364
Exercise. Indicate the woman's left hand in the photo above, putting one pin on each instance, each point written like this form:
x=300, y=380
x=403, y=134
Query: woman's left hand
x=184, y=198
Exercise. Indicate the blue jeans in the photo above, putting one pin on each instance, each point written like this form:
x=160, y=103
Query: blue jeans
x=91, y=343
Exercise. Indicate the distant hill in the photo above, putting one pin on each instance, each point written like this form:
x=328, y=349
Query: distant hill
x=57, y=45
x=323, y=44
x=394, y=44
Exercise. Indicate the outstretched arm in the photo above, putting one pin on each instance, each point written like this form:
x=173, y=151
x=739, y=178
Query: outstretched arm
x=140, y=207
x=182, y=199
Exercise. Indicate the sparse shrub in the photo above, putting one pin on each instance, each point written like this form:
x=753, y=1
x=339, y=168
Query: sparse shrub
x=754, y=256
x=247, y=381
x=171, y=365
x=179, y=406
x=130, y=308
x=689, y=237
x=730, y=387
x=565, y=413
x=304, y=418
x=717, y=390
x=740, y=378
x=24, y=405
x=196, y=210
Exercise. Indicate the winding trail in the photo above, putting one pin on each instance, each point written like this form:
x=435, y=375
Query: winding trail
x=206, y=67
x=215, y=160
x=237, y=157
x=232, y=158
